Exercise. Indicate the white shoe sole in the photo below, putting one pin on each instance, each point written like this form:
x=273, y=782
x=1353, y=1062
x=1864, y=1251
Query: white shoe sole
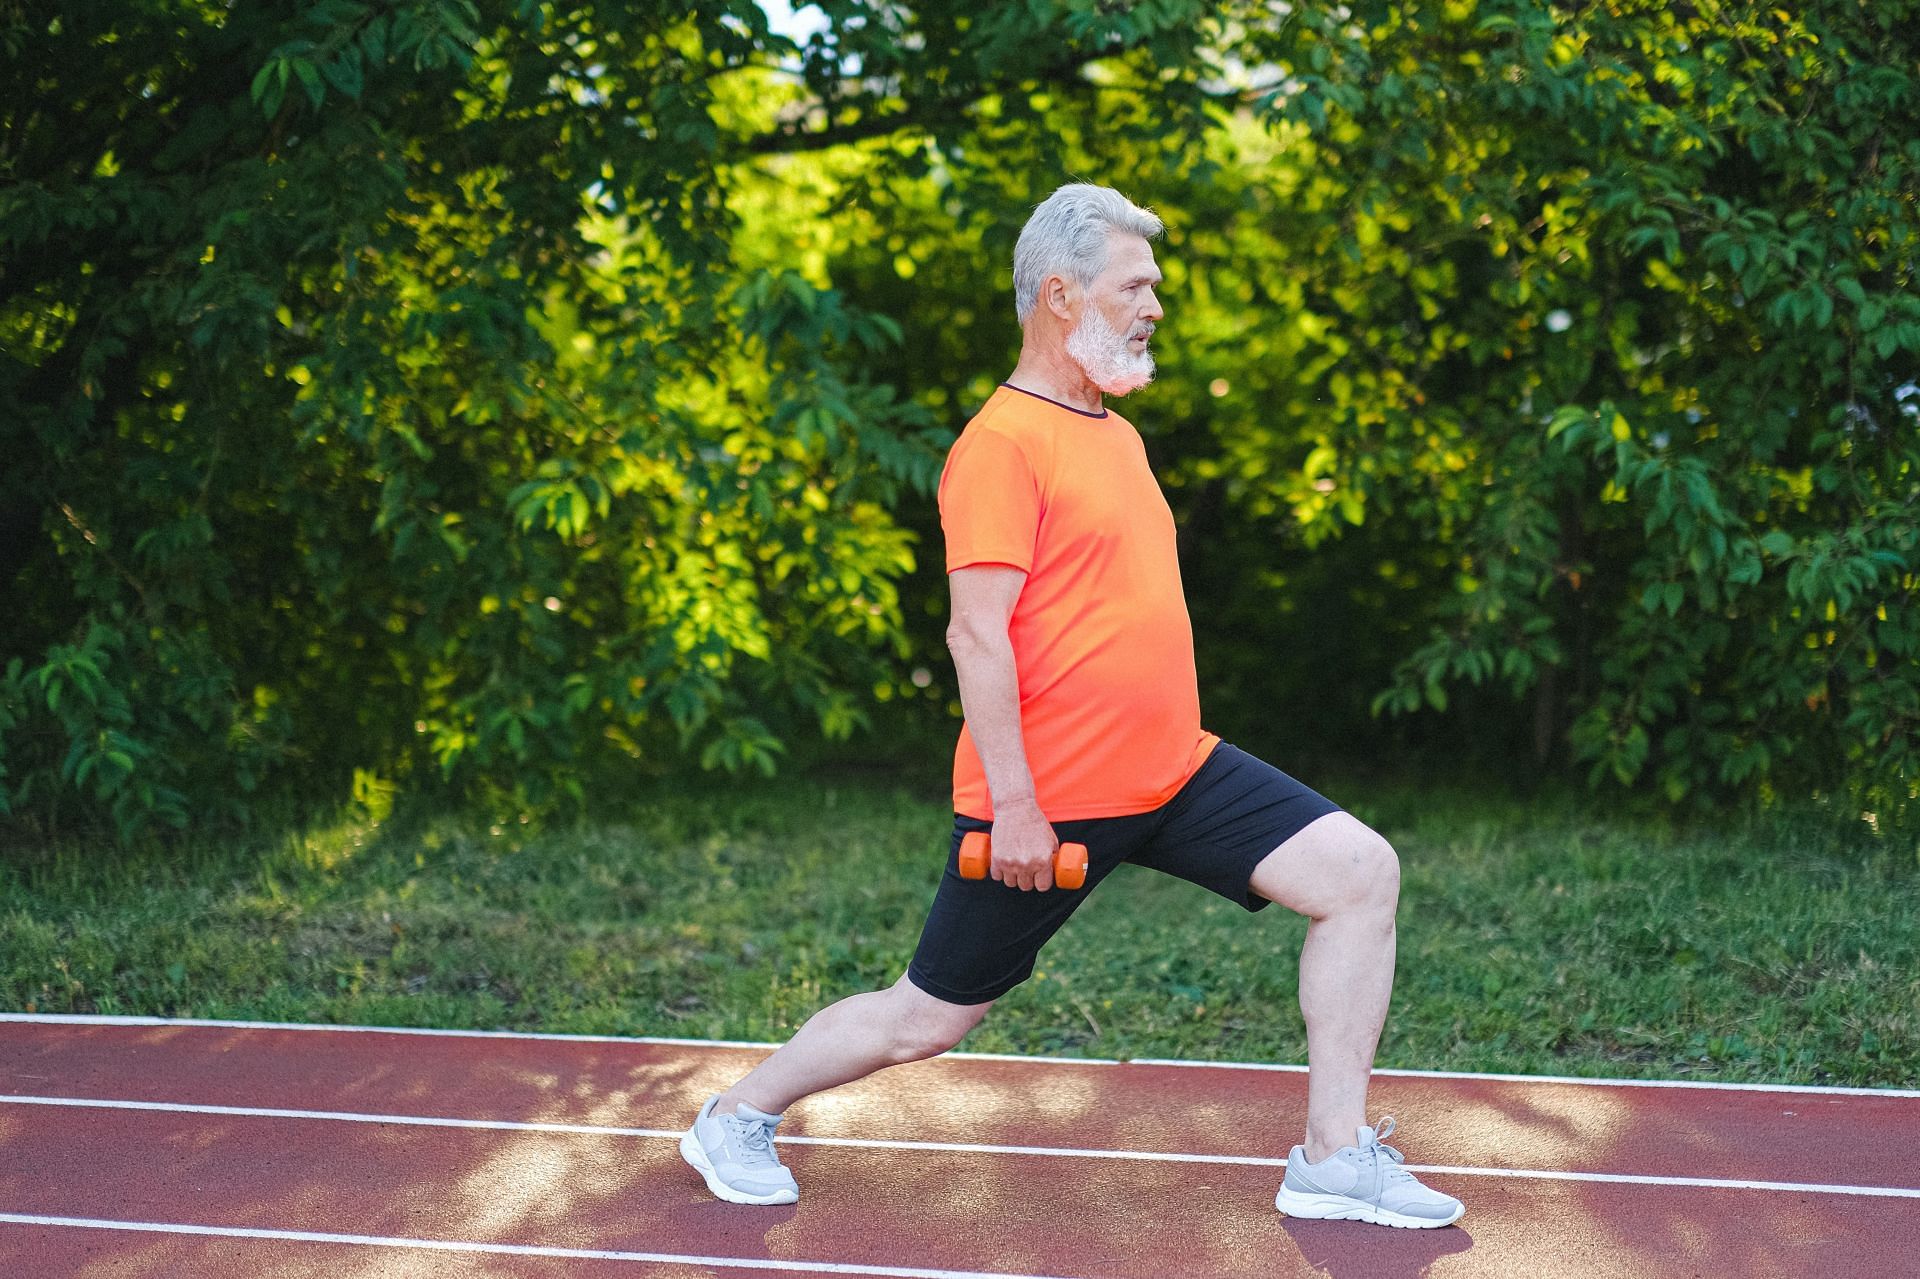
x=691, y=1152
x=1340, y=1208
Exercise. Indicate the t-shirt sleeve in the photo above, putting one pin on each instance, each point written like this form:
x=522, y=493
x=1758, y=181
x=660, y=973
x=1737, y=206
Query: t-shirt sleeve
x=989, y=502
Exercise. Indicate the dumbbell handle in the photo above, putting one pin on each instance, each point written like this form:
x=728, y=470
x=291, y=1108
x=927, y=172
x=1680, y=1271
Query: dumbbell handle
x=976, y=855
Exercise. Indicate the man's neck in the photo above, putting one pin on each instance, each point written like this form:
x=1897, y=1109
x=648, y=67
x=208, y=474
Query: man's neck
x=1058, y=379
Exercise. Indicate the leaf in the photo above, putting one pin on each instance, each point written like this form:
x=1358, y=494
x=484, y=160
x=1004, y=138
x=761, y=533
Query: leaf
x=310, y=76
x=1564, y=418
x=374, y=40
x=343, y=72
x=275, y=95
x=76, y=754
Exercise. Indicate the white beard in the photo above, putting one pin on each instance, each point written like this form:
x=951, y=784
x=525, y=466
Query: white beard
x=1101, y=352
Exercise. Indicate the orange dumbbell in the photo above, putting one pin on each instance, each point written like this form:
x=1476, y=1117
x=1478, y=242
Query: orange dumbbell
x=976, y=854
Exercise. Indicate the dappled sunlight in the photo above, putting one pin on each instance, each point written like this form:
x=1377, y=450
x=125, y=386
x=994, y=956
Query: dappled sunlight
x=1621, y=1128
x=672, y=1085
x=1012, y=1214
x=878, y=1205
x=1091, y=1106
x=1718, y=1231
x=646, y=1101
x=930, y=1098
x=115, y=1256
x=381, y=1180
x=612, y=1085
x=328, y=848
x=621, y=1191
x=543, y=1184
x=1693, y=1237
x=191, y=1141
x=1530, y=1128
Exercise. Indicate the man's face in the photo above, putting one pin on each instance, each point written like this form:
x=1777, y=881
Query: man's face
x=1118, y=312
x=1124, y=292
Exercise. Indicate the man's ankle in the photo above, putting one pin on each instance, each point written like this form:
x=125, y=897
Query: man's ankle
x=1320, y=1148
x=730, y=1102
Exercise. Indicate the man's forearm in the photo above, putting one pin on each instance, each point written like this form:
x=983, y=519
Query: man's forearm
x=990, y=697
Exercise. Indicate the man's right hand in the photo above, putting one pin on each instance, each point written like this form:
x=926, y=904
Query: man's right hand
x=1023, y=847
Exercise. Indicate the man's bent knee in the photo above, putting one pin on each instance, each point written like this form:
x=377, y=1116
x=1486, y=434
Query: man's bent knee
x=1377, y=871
x=925, y=1026
x=1333, y=866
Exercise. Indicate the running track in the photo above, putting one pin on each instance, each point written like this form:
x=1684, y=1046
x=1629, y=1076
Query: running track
x=133, y=1147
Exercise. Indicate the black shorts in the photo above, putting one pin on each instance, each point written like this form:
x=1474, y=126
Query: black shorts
x=981, y=937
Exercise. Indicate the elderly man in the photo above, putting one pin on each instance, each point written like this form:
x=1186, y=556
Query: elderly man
x=1074, y=651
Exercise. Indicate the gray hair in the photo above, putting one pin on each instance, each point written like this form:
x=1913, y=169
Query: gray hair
x=1067, y=235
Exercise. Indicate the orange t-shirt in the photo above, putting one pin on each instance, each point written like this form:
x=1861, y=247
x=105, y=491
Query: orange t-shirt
x=1109, y=701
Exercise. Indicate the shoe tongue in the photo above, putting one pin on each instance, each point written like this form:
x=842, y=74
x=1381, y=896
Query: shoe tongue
x=744, y=1111
x=1367, y=1135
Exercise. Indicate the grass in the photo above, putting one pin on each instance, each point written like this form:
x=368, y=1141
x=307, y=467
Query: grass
x=1540, y=936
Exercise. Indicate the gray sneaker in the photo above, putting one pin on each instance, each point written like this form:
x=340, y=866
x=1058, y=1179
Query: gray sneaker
x=1363, y=1183
x=735, y=1154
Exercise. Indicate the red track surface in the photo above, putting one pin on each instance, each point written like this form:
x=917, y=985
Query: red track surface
x=961, y=1210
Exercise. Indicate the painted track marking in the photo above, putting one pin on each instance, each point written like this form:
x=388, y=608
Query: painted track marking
x=504, y=1249
x=867, y=1143
x=96, y=1019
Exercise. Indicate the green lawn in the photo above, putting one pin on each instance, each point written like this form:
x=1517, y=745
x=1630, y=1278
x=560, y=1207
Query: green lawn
x=1545, y=936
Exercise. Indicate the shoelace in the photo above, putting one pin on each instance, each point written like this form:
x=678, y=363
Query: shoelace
x=1381, y=1132
x=756, y=1139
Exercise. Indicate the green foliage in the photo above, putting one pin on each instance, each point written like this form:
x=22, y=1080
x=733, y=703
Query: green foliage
x=512, y=397
x=414, y=421
x=1634, y=330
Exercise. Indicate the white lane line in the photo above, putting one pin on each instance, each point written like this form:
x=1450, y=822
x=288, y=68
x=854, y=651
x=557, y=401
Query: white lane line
x=1702, y=1183
x=1827, y=1089
x=609, y=1130
x=880, y=1143
x=97, y=1019
x=506, y=1249
x=103, y=1019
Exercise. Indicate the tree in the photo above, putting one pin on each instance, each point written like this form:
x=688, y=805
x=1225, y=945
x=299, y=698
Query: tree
x=507, y=397
x=382, y=399
x=1617, y=302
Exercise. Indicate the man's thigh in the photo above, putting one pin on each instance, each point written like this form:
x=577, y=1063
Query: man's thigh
x=1335, y=863
x=1228, y=819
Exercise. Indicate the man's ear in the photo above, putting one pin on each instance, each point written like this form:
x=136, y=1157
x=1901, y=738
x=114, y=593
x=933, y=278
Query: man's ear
x=1060, y=295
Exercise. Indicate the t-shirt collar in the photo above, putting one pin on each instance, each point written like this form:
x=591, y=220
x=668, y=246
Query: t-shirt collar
x=1068, y=407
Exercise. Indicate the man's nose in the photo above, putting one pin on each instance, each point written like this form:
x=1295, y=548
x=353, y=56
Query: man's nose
x=1150, y=308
